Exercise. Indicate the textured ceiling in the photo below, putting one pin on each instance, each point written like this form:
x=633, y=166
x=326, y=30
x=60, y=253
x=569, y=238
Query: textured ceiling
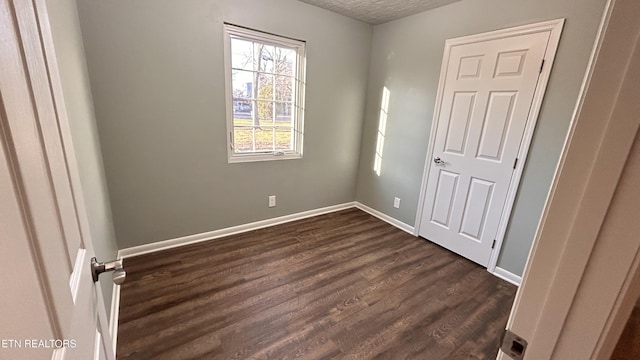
x=378, y=11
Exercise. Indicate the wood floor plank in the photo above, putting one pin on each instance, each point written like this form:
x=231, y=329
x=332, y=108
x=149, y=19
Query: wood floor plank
x=339, y=286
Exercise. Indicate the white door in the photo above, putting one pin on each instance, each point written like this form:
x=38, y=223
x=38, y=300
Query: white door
x=49, y=306
x=488, y=91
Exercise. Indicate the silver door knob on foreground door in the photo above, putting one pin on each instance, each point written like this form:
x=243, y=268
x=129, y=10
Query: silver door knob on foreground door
x=438, y=161
x=98, y=268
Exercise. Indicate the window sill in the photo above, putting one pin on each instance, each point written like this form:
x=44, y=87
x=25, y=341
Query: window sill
x=261, y=157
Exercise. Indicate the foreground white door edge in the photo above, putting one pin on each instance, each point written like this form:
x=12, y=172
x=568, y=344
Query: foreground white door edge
x=51, y=308
x=572, y=304
x=489, y=96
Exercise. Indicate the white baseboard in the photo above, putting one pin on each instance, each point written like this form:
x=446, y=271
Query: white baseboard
x=210, y=235
x=115, y=313
x=507, y=276
x=386, y=218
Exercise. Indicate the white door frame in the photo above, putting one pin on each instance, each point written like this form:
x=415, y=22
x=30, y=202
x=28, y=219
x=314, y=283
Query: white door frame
x=554, y=27
x=565, y=308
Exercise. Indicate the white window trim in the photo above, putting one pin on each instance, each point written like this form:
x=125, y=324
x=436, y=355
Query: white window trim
x=298, y=99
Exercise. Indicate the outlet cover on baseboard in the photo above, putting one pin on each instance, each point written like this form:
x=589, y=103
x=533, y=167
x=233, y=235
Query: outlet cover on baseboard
x=272, y=201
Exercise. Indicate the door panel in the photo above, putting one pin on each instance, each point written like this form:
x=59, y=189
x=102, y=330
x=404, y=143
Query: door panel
x=475, y=212
x=496, y=125
x=510, y=63
x=445, y=192
x=24, y=314
x=487, y=95
x=469, y=67
x=458, y=129
x=58, y=304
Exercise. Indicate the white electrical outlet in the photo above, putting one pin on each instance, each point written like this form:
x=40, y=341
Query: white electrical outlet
x=272, y=201
x=396, y=203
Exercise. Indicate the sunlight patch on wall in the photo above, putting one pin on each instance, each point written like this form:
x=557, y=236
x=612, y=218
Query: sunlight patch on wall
x=382, y=127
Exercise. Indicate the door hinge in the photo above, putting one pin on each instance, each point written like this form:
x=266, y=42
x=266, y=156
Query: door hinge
x=515, y=163
x=541, y=66
x=493, y=245
x=513, y=345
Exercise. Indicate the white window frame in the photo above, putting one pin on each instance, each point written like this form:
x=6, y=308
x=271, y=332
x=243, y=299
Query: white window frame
x=298, y=96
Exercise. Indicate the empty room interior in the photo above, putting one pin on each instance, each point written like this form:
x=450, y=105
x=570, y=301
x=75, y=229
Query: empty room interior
x=315, y=179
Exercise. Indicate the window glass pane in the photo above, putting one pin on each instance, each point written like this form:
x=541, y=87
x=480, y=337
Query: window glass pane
x=242, y=83
x=243, y=139
x=264, y=138
x=263, y=57
x=283, y=114
x=241, y=54
x=241, y=123
x=242, y=108
x=265, y=113
x=284, y=61
x=265, y=86
x=284, y=139
x=284, y=88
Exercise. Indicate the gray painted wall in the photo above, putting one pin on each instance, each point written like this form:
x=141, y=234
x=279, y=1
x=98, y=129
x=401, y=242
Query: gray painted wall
x=157, y=77
x=65, y=28
x=156, y=69
x=406, y=57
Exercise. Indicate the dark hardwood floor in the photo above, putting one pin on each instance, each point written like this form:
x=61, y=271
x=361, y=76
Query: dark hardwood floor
x=343, y=285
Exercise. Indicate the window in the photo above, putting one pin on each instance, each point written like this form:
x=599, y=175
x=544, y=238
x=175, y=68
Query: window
x=265, y=95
